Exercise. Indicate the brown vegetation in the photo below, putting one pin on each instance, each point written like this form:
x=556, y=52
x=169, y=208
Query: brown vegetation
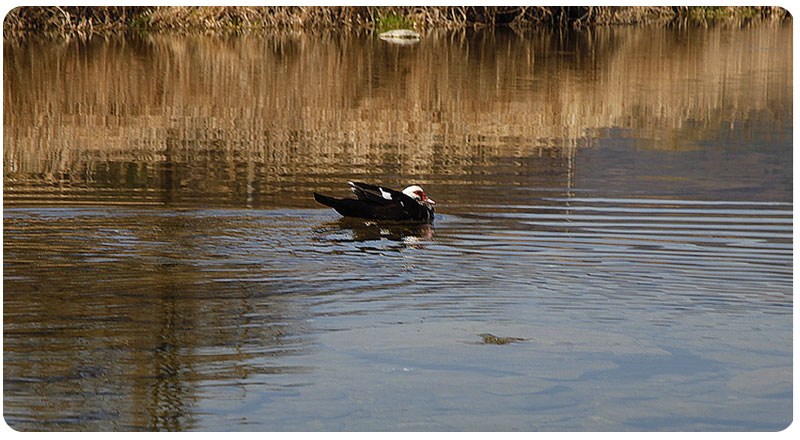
x=86, y=20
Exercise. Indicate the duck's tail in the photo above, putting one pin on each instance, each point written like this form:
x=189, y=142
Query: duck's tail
x=325, y=200
x=346, y=207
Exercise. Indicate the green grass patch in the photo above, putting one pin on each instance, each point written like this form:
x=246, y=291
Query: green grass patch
x=714, y=13
x=390, y=22
x=139, y=22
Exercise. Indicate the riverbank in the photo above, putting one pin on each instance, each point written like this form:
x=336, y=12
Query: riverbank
x=85, y=20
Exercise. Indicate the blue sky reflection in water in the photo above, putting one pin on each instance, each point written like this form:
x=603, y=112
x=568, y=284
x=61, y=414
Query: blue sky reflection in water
x=620, y=200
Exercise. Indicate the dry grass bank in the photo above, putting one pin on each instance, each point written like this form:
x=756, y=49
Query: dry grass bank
x=85, y=20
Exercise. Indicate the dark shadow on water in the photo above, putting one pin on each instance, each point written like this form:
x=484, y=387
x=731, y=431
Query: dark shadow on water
x=358, y=230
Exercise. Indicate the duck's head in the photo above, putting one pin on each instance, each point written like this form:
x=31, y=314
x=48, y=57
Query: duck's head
x=416, y=192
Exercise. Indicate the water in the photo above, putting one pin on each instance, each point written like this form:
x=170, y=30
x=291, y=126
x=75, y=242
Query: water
x=620, y=199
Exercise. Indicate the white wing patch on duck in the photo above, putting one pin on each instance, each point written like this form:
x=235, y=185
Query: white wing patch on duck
x=386, y=195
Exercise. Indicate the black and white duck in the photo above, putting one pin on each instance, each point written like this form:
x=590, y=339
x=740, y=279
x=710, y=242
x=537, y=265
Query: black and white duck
x=374, y=202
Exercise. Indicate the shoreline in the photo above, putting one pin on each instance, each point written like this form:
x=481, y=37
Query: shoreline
x=83, y=21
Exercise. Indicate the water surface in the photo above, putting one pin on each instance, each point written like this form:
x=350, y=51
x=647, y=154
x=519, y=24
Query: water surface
x=620, y=199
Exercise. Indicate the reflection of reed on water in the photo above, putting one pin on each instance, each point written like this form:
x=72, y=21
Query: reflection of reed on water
x=136, y=332
x=348, y=105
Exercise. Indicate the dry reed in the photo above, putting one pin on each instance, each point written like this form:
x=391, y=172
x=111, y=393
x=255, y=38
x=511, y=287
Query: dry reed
x=84, y=20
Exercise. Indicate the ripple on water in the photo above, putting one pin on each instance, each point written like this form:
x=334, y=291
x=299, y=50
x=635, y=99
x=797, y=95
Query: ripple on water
x=659, y=252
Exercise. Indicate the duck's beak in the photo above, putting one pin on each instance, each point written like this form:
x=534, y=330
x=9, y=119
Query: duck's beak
x=429, y=201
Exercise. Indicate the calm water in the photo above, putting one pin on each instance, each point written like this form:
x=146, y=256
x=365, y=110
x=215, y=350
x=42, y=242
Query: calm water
x=620, y=199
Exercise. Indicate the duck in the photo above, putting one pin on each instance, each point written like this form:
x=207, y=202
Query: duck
x=375, y=202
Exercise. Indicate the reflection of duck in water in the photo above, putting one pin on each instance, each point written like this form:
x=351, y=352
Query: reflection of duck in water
x=379, y=203
x=409, y=233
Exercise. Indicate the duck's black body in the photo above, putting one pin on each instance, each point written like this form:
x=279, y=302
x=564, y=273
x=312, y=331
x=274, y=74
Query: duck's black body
x=379, y=203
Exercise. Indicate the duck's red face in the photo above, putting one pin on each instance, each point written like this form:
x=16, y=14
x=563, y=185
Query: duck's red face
x=424, y=198
x=416, y=192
